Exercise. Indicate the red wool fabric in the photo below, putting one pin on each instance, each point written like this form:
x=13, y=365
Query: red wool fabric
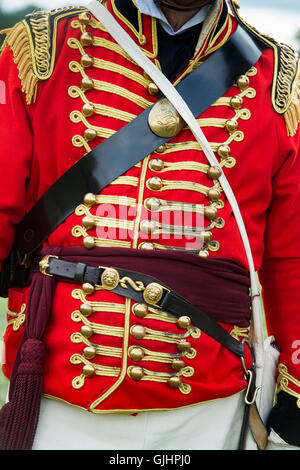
x=265, y=180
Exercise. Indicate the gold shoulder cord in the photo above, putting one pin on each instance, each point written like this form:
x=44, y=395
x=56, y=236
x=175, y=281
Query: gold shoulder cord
x=286, y=78
x=33, y=43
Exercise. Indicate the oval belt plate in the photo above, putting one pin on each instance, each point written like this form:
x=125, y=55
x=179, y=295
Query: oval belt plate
x=164, y=120
x=110, y=278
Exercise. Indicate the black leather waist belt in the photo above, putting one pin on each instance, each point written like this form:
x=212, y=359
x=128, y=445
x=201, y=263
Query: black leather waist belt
x=138, y=287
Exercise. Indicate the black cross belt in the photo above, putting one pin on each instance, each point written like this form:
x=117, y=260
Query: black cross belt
x=139, y=287
x=133, y=142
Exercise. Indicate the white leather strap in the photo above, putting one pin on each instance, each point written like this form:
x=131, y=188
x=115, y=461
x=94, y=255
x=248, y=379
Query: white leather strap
x=166, y=87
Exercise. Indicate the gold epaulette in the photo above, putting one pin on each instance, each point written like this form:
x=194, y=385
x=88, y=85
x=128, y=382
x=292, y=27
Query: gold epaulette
x=286, y=78
x=33, y=43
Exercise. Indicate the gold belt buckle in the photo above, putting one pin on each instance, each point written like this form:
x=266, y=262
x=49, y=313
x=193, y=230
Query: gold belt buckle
x=164, y=120
x=153, y=293
x=109, y=278
x=44, y=264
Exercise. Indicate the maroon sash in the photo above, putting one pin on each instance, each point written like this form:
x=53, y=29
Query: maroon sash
x=219, y=287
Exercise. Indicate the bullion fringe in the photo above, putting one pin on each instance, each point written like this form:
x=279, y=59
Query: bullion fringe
x=17, y=39
x=292, y=115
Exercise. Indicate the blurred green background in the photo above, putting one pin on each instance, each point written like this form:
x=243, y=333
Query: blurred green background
x=14, y=14
x=8, y=19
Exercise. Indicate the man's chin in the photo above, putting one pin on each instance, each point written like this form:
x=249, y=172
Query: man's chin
x=184, y=5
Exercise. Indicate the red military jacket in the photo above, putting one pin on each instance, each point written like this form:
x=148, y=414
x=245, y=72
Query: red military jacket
x=69, y=86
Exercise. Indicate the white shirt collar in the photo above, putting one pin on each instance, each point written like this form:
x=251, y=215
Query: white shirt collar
x=148, y=7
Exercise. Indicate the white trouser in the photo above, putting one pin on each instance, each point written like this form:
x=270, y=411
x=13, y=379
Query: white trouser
x=214, y=425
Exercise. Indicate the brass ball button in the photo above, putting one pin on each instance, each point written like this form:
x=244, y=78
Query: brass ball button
x=156, y=164
x=184, y=322
x=210, y=212
x=136, y=354
x=183, y=346
x=88, y=110
x=86, y=309
x=214, y=194
x=152, y=204
x=87, y=61
x=174, y=382
x=90, y=199
x=90, y=134
x=87, y=39
x=161, y=148
x=85, y=18
x=231, y=125
x=87, y=84
x=86, y=331
x=236, y=102
x=177, y=364
x=138, y=331
x=214, y=172
x=224, y=151
x=136, y=373
x=146, y=246
x=89, y=352
x=89, y=242
x=243, y=82
x=206, y=236
x=88, y=370
x=140, y=310
x=153, y=89
x=154, y=183
x=204, y=253
x=88, y=222
x=148, y=226
x=88, y=288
